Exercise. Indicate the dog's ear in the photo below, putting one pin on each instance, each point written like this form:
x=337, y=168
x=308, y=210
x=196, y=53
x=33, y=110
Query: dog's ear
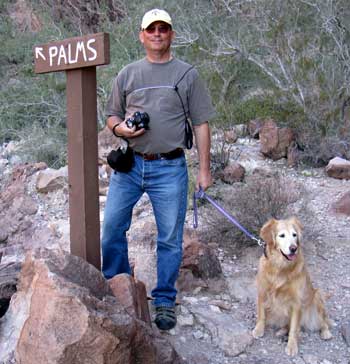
x=297, y=226
x=266, y=232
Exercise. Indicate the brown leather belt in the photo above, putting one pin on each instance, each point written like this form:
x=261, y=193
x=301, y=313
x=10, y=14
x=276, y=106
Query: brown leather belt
x=176, y=153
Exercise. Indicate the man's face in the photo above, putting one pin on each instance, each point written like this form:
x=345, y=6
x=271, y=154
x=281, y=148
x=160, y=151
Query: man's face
x=157, y=37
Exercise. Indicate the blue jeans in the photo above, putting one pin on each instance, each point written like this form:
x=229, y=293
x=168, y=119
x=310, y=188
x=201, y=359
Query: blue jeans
x=166, y=183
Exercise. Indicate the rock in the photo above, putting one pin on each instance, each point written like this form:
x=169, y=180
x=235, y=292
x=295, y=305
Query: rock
x=142, y=253
x=106, y=142
x=338, y=168
x=234, y=172
x=9, y=274
x=310, y=359
x=200, y=259
x=132, y=295
x=254, y=127
x=51, y=179
x=221, y=304
x=240, y=130
x=275, y=141
x=342, y=206
x=185, y=320
x=228, y=334
x=3, y=163
x=187, y=282
x=3, y=235
x=230, y=136
x=16, y=185
x=26, y=205
x=64, y=312
x=242, y=287
x=345, y=330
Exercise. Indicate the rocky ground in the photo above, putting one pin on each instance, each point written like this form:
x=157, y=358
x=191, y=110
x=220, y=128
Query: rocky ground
x=214, y=322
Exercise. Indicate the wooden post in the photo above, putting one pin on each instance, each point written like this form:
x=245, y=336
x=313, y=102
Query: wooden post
x=79, y=58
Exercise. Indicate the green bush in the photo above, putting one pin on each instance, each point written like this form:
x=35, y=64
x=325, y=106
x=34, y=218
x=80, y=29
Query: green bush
x=268, y=107
x=45, y=144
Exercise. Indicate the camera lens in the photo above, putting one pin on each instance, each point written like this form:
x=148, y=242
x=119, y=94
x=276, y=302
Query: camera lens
x=139, y=119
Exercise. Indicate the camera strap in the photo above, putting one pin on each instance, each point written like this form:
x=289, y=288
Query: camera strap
x=177, y=90
x=188, y=129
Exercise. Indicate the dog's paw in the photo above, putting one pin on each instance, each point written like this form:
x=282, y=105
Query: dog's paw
x=258, y=331
x=326, y=334
x=292, y=348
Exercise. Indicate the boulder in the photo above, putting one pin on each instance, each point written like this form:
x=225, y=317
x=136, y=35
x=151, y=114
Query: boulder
x=234, y=172
x=18, y=209
x=275, y=141
x=64, y=312
x=132, y=295
x=200, y=259
x=200, y=266
x=52, y=179
x=229, y=334
x=338, y=168
x=342, y=206
x=254, y=127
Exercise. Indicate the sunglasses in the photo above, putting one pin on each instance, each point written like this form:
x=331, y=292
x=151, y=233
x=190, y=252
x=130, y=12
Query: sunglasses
x=163, y=29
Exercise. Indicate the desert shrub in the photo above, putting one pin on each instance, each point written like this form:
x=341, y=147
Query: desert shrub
x=45, y=144
x=317, y=149
x=268, y=107
x=251, y=204
x=222, y=152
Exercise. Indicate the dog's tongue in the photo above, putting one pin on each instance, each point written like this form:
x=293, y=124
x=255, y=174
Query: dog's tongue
x=291, y=256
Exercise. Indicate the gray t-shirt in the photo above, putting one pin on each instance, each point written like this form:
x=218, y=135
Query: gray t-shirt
x=149, y=87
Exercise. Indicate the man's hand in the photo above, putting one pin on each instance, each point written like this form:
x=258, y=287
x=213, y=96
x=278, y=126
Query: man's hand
x=204, y=180
x=123, y=130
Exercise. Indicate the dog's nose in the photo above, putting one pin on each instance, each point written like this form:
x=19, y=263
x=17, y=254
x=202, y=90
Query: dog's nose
x=293, y=248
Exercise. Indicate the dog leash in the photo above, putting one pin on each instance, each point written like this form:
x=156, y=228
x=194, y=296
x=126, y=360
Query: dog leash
x=202, y=195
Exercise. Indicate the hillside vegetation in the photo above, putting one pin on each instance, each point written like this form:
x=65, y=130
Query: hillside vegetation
x=284, y=59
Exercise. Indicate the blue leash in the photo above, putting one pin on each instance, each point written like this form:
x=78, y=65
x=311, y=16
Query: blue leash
x=202, y=194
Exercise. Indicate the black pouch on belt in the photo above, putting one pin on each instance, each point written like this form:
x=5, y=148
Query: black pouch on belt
x=121, y=159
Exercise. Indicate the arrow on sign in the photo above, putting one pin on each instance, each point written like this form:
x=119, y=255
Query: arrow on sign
x=38, y=52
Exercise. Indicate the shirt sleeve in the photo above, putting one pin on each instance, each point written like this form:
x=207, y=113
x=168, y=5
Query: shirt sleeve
x=199, y=101
x=116, y=101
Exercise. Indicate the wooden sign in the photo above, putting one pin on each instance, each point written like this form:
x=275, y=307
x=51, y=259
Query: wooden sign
x=72, y=53
x=79, y=57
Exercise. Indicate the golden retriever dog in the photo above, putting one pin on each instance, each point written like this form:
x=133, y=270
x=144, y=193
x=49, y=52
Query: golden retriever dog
x=286, y=297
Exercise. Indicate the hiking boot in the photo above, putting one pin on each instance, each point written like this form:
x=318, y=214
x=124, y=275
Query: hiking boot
x=165, y=318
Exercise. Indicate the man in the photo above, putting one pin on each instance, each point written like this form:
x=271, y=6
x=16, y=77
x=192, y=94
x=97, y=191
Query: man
x=159, y=166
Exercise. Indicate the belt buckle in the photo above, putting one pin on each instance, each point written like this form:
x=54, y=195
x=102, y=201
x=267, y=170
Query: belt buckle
x=150, y=157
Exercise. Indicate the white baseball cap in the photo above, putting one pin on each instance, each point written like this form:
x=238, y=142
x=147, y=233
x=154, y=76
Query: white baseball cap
x=155, y=15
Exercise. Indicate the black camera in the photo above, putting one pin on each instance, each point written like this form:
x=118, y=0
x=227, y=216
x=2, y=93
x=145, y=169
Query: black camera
x=139, y=119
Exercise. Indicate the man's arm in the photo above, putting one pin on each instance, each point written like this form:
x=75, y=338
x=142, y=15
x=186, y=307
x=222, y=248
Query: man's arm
x=202, y=135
